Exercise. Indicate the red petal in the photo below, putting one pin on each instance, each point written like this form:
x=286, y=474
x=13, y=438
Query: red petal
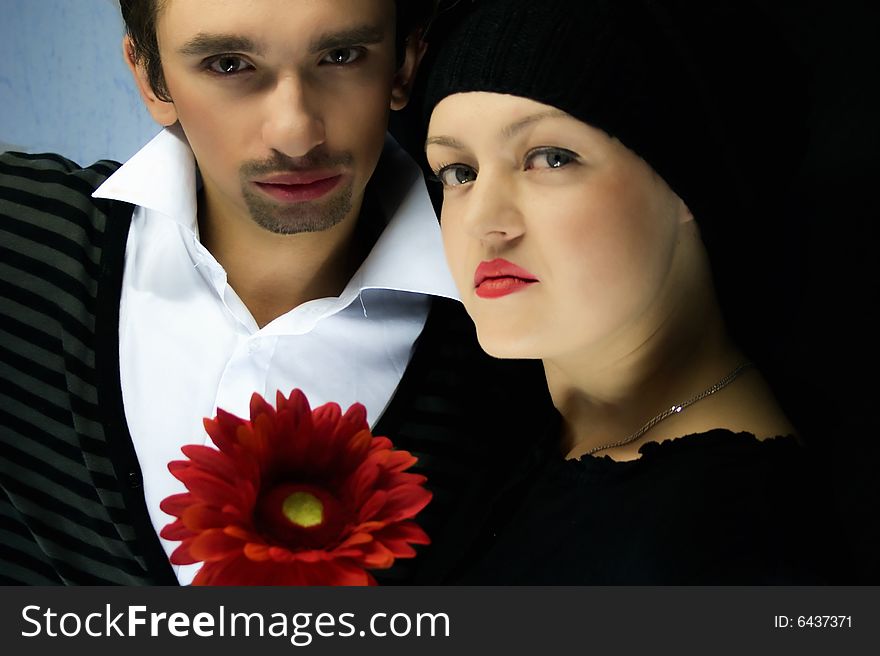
x=349, y=573
x=257, y=552
x=239, y=532
x=405, y=502
x=356, y=450
x=176, y=530
x=176, y=503
x=380, y=443
x=327, y=417
x=296, y=403
x=223, y=429
x=201, y=517
x=390, y=480
x=376, y=556
x=335, y=572
x=355, y=539
x=399, y=537
x=282, y=555
x=308, y=556
x=240, y=571
x=212, y=460
x=295, y=430
x=212, y=490
x=400, y=460
x=373, y=505
x=257, y=438
x=328, y=443
x=360, y=485
x=369, y=527
x=356, y=415
x=176, y=466
x=260, y=407
x=214, y=545
x=237, y=570
x=292, y=574
x=182, y=556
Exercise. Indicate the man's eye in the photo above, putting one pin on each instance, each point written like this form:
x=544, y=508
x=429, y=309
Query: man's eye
x=229, y=65
x=549, y=158
x=342, y=56
x=455, y=175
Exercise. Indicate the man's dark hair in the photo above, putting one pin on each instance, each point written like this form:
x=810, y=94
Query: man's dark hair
x=141, y=16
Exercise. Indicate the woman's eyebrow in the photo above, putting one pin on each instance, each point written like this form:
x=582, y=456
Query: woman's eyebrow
x=511, y=130
x=507, y=131
x=444, y=141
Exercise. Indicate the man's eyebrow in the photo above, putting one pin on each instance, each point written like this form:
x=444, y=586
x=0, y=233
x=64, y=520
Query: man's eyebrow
x=360, y=35
x=517, y=126
x=212, y=44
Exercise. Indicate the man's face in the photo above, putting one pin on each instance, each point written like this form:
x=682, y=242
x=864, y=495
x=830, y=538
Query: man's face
x=284, y=102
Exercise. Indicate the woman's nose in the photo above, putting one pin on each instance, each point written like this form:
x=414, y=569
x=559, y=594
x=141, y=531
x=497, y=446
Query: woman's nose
x=492, y=213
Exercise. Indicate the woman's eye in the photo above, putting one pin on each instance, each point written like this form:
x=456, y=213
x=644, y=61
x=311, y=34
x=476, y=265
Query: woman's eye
x=229, y=65
x=342, y=56
x=549, y=158
x=455, y=175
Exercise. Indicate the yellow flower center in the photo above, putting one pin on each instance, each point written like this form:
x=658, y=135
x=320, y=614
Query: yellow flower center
x=303, y=509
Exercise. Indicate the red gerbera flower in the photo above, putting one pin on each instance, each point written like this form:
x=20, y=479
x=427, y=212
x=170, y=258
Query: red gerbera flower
x=294, y=497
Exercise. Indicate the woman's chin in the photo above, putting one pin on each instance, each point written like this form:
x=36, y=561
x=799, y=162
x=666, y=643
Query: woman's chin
x=509, y=347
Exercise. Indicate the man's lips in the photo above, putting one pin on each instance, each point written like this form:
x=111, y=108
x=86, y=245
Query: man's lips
x=499, y=277
x=298, y=186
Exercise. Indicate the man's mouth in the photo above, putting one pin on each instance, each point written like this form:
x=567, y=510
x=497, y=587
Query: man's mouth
x=299, y=186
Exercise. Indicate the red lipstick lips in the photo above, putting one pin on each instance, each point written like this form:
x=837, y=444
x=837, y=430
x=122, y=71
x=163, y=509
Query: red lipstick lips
x=499, y=278
x=299, y=186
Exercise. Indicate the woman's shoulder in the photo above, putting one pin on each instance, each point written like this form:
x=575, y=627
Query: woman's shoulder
x=717, y=507
x=723, y=445
x=696, y=452
x=732, y=481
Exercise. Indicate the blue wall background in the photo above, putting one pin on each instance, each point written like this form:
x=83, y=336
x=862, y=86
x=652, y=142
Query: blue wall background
x=63, y=85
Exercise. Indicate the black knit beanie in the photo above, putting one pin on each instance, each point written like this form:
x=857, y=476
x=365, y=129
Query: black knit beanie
x=693, y=90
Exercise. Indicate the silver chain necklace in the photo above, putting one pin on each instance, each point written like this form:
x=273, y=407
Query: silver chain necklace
x=674, y=410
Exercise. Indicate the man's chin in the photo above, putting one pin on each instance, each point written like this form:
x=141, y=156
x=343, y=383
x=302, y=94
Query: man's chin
x=300, y=217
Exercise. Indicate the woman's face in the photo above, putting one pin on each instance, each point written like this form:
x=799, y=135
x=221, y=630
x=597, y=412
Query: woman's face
x=560, y=239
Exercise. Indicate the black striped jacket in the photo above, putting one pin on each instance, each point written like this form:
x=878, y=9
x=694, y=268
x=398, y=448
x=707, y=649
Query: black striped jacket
x=71, y=504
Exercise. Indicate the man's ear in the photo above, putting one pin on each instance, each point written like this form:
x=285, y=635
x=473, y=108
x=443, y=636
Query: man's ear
x=163, y=112
x=406, y=74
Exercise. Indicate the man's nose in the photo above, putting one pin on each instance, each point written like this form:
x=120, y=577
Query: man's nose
x=293, y=123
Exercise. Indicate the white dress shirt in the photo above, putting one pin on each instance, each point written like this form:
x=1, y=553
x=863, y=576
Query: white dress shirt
x=188, y=344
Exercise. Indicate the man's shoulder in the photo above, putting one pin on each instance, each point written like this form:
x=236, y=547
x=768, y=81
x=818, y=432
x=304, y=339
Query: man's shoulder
x=48, y=216
x=48, y=192
x=52, y=172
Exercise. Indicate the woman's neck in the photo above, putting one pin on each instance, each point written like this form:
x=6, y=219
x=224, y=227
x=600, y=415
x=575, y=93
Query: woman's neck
x=610, y=392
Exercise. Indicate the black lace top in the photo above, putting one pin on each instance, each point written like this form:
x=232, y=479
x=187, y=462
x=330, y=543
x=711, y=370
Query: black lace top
x=713, y=508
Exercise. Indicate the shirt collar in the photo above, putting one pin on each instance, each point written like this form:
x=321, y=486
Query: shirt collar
x=161, y=177
x=408, y=255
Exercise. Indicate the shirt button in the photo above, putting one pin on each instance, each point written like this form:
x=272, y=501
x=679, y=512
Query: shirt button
x=254, y=345
x=134, y=480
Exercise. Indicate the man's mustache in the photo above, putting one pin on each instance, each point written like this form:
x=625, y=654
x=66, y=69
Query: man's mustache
x=279, y=163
